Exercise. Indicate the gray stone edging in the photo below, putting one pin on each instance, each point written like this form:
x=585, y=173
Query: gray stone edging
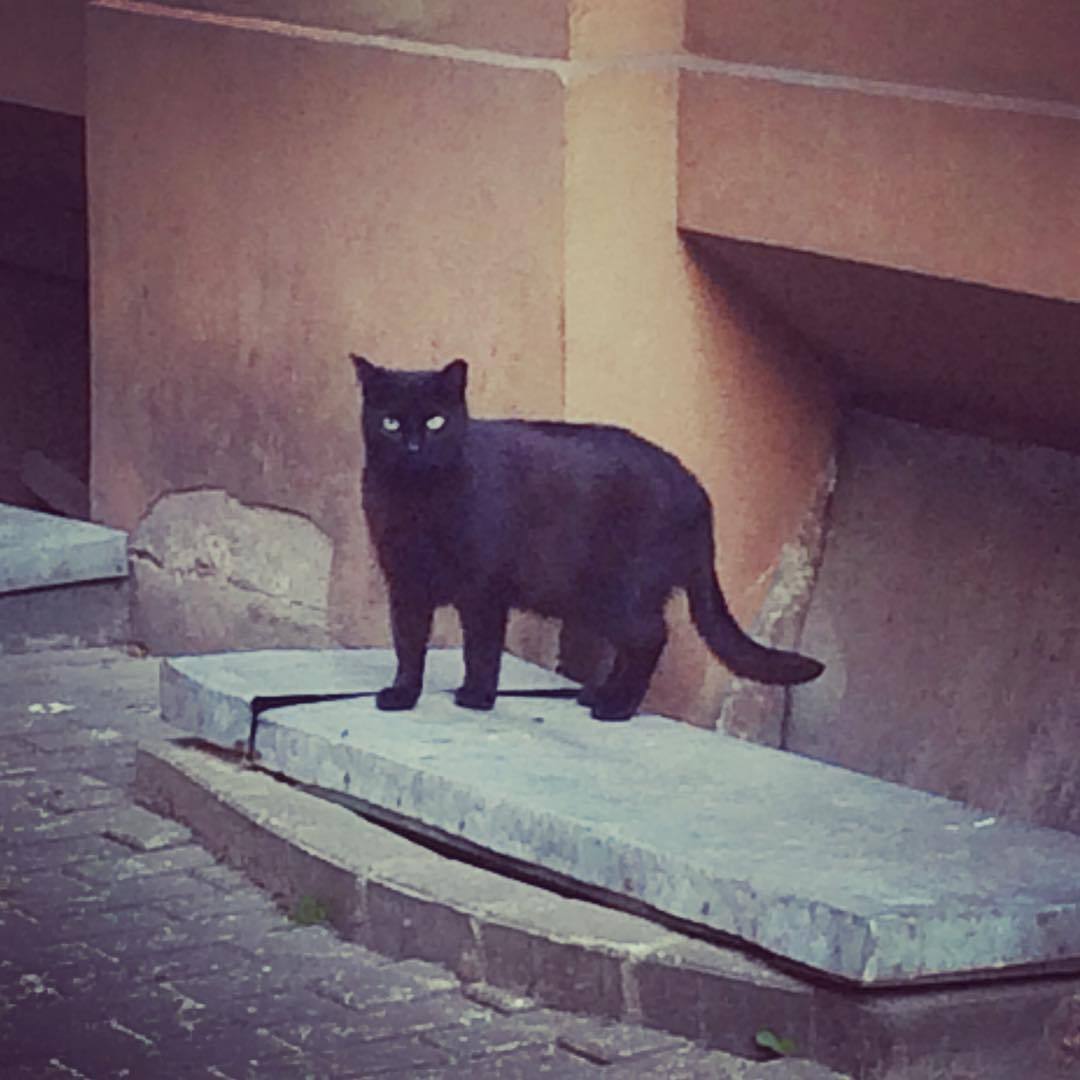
x=401, y=899
x=43, y=551
x=860, y=880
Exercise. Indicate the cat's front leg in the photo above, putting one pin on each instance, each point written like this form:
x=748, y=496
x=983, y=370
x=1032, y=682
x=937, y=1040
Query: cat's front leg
x=410, y=617
x=484, y=625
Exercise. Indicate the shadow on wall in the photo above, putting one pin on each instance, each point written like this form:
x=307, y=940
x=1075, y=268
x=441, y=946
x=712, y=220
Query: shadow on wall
x=44, y=321
x=948, y=354
x=44, y=409
x=947, y=600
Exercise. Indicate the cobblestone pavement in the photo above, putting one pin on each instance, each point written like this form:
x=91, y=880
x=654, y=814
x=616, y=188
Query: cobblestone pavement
x=126, y=951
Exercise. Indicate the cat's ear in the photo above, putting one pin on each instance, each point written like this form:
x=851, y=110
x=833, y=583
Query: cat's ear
x=454, y=375
x=365, y=369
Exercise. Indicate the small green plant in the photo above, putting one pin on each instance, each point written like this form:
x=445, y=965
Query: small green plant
x=769, y=1040
x=309, y=911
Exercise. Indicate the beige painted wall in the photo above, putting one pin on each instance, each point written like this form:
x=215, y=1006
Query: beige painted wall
x=936, y=137
x=1011, y=47
x=538, y=28
x=41, y=54
x=263, y=203
x=652, y=343
x=976, y=194
x=266, y=198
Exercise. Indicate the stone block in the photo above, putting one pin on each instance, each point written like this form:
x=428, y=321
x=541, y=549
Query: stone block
x=405, y=925
x=431, y=906
x=42, y=551
x=566, y=951
x=794, y=856
x=72, y=617
x=211, y=573
x=984, y=1031
x=246, y=838
x=562, y=975
x=721, y=996
x=216, y=697
x=754, y=710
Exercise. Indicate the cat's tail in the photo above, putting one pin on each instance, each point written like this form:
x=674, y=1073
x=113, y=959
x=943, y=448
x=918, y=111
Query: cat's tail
x=736, y=650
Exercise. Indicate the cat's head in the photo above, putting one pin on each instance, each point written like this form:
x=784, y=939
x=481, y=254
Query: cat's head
x=413, y=421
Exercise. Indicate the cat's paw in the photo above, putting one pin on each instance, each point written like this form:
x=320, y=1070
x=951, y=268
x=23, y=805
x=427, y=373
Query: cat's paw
x=396, y=698
x=613, y=709
x=470, y=698
x=586, y=697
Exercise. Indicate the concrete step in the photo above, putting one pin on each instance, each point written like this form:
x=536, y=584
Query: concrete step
x=860, y=880
x=517, y=945
x=62, y=582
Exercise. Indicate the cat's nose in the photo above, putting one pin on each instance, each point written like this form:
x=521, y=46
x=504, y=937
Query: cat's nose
x=413, y=446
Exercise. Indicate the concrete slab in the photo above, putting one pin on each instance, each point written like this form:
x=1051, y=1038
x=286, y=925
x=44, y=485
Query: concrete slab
x=40, y=550
x=864, y=880
x=518, y=945
x=852, y=876
x=80, y=616
x=215, y=696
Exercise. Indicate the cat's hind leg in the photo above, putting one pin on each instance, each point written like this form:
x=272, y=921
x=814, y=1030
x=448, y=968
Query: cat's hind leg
x=483, y=623
x=638, y=645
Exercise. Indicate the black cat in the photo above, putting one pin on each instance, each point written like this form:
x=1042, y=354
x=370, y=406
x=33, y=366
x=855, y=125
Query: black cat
x=575, y=521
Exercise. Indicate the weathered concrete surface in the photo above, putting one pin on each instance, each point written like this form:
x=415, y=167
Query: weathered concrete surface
x=753, y=710
x=40, y=550
x=212, y=573
x=518, y=945
x=863, y=880
x=78, y=616
x=946, y=612
x=799, y=858
x=127, y=950
x=213, y=696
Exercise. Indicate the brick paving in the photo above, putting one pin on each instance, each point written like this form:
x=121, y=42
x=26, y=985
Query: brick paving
x=126, y=951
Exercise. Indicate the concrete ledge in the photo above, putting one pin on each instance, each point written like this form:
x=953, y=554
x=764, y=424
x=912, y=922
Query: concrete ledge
x=39, y=551
x=847, y=875
x=216, y=697
x=507, y=939
x=85, y=615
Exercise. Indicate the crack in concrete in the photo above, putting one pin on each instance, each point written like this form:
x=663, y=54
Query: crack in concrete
x=204, y=570
x=147, y=556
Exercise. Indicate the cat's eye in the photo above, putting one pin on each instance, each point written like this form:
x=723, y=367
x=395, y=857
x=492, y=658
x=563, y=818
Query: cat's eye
x=391, y=423
x=434, y=423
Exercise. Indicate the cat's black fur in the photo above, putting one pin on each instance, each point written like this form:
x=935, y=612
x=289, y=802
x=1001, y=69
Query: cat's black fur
x=576, y=521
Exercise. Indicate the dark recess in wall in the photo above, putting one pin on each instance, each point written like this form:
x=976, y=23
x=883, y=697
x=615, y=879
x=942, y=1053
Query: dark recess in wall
x=44, y=318
x=943, y=353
